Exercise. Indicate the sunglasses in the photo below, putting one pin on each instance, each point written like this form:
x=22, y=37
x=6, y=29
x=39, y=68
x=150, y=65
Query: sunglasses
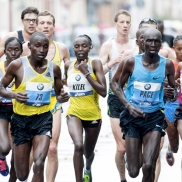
x=146, y=20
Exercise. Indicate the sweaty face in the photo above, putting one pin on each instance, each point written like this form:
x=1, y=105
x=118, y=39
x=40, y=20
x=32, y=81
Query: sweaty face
x=45, y=25
x=152, y=42
x=39, y=48
x=81, y=48
x=13, y=50
x=123, y=24
x=29, y=23
x=178, y=50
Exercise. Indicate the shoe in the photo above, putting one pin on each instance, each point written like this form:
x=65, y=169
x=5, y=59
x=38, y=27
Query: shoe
x=4, y=169
x=87, y=176
x=170, y=158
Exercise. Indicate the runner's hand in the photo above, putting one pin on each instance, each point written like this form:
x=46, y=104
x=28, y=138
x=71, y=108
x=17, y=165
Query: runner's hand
x=63, y=97
x=135, y=112
x=83, y=67
x=119, y=57
x=169, y=92
x=21, y=97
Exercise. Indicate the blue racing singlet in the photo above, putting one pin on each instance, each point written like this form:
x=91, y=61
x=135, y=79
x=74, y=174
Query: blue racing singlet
x=145, y=88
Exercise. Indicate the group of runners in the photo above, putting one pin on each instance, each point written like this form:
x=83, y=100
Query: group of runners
x=143, y=98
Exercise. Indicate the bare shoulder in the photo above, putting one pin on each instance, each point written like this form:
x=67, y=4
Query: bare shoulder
x=169, y=61
x=10, y=34
x=62, y=47
x=67, y=64
x=26, y=50
x=15, y=65
x=96, y=60
x=107, y=45
x=164, y=53
x=130, y=59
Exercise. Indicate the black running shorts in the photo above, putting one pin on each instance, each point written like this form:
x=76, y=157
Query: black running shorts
x=115, y=107
x=87, y=124
x=24, y=128
x=178, y=114
x=138, y=127
x=6, y=112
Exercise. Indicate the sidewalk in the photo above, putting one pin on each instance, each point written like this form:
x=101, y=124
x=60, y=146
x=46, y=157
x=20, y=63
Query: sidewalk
x=103, y=168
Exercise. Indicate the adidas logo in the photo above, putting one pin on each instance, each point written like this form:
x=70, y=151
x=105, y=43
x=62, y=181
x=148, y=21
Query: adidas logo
x=48, y=74
x=94, y=122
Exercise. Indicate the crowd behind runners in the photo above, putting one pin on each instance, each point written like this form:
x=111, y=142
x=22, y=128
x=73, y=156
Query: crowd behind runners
x=144, y=97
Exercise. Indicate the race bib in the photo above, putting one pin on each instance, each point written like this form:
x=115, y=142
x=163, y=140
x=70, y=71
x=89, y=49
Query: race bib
x=146, y=93
x=38, y=93
x=80, y=87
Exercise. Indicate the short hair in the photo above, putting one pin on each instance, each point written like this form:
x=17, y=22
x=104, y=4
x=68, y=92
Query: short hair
x=139, y=31
x=11, y=39
x=29, y=10
x=88, y=39
x=176, y=39
x=45, y=13
x=123, y=12
x=41, y=34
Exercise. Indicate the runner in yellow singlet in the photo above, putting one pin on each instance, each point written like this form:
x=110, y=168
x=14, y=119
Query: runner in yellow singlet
x=57, y=52
x=86, y=81
x=31, y=124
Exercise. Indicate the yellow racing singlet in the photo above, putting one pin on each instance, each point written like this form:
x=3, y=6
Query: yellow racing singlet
x=38, y=86
x=56, y=59
x=5, y=101
x=83, y=98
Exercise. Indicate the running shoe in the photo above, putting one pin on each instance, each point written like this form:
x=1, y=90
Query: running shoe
x=170, y=158
x=87, y=176
x=4, y=169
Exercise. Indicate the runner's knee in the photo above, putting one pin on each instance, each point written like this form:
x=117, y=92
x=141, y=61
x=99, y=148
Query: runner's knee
x=133, y=172
x=22, y=176
x=79, y=147
x=52, y=150
x=121, y=149
x=147, y=168
x=5, y=148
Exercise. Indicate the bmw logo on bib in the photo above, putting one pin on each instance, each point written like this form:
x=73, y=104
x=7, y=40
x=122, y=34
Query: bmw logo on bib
x=77, y=77
x=40, y=86
x=147, y=86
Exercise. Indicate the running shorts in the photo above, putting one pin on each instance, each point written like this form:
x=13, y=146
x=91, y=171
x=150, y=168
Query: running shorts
x=178, y=114
x=115, y=107
x=138, y=127
x=169, y=110
x=6, y=111
x=24, y=128
x=87, y=124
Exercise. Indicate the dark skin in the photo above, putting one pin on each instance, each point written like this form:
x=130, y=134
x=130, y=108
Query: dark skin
x=86, y=147
x=150, y=141
x=12, y=51
x=179, y=122
x=38, y=46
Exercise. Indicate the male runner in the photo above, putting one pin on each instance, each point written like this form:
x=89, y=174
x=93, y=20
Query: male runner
x=28, y=17
x=57, y=52
x=142, y=122
x=31, y=124
x=111, y=54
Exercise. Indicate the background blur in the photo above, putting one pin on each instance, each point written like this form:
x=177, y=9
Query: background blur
x=92, y=17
